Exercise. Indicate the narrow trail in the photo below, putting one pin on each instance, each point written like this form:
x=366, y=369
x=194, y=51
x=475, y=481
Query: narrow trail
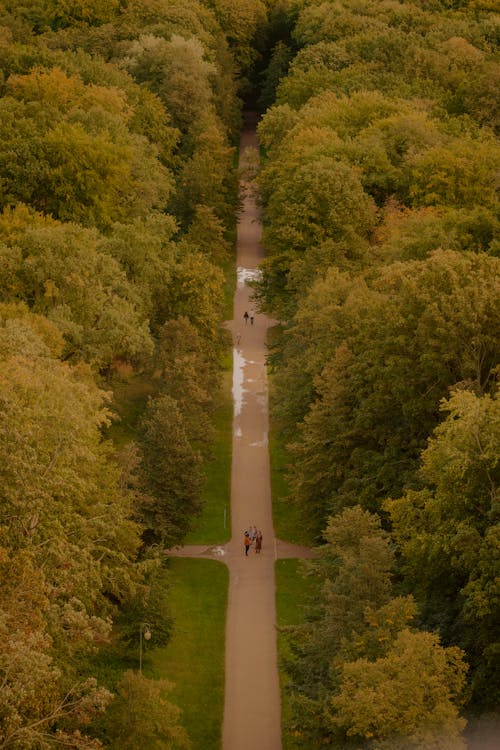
x=252, y=713
x=252, y=710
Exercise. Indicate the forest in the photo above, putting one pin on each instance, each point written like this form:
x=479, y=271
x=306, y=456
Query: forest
x=119, y=124
x=380, y=203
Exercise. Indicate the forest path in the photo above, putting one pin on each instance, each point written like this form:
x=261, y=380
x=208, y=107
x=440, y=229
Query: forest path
x=252, y=710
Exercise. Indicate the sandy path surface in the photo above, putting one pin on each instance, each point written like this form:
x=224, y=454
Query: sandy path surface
x=252, y=710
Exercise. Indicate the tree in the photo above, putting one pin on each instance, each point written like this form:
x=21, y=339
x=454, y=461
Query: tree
x=353, y=664
x=406, y=699
x=146, y=251
x=60, y=497
x=242, y=21
x=189, y=376
x=72, y=543
x=275, y=71
x=38, y=709
x=207, y=178
x=170, y=473
x=206, y=233
x=67, y=150
x=459, y=174
x=177, y=71
x=412, y=234
x=60, y=271
x=196, y=292
x=140, y=715
x=450, y=530
x=424, y=327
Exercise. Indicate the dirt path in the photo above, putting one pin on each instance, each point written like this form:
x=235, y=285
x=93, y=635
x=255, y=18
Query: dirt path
x=252, y=711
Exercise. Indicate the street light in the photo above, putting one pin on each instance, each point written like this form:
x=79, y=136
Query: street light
x=144, y=632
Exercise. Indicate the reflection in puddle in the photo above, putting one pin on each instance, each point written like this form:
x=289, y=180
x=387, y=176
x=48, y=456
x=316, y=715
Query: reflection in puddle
x=260, y=443
x=247, y=274
x=239, y=363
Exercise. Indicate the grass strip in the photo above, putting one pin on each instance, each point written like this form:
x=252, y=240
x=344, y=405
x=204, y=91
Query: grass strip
x=293, y=597
x=194, y=658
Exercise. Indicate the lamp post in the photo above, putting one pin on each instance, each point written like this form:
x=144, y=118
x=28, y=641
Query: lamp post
x=144, y=632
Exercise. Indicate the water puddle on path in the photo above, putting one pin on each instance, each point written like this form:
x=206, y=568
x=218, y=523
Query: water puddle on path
x=239, y=363
x=247, y=274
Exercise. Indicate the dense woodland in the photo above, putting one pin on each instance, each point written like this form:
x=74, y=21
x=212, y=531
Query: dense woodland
x=118, y=126
x=381, y=218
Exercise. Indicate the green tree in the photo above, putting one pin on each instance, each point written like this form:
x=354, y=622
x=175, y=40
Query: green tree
x=146, y=251
x=170, y=475
x=450, y=529
x=459, y=174
x=60, y=271
x=242, y=21
x=60, y=497
x=140, y=715
x=354, y=663
x=207, y=178
x=177, y=71
x=189, y=376
x=67, y=150
x=37, y=708
x=71, y=541
x=196, y=292
x=424, y=327
x=206, y=233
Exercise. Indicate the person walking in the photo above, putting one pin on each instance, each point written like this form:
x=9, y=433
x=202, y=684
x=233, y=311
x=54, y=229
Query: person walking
x=251, y=317
x=246, y=316
x=258, y=541
x=246, y=542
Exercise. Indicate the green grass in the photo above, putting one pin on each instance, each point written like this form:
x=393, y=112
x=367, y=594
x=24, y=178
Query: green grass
x=194, y=658
x=214, y=524
x=293, y=594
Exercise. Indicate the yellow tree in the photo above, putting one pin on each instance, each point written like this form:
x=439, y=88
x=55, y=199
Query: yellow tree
x=405, y=699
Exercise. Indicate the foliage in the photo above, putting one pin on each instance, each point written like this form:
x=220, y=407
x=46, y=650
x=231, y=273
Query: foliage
x=51, y=265
x=38, y=706
x=98, y=140
x=140, y=713
x=50, y=125
x=450, y=530
x=404, y=699
x=384, y=281
x=350, y=665
x=171, y=480
x=69, y=534
x=390, y=356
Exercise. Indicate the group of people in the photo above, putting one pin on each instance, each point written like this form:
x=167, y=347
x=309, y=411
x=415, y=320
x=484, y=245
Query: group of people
x=252, y=536
x=248, y=316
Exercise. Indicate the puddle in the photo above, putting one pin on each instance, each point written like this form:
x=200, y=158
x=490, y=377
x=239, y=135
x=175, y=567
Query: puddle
x=239, y=363
x=247, y=274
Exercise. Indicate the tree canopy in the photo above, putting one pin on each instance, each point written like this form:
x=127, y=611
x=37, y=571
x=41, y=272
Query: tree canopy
x=380, y=207
x=117, y=199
